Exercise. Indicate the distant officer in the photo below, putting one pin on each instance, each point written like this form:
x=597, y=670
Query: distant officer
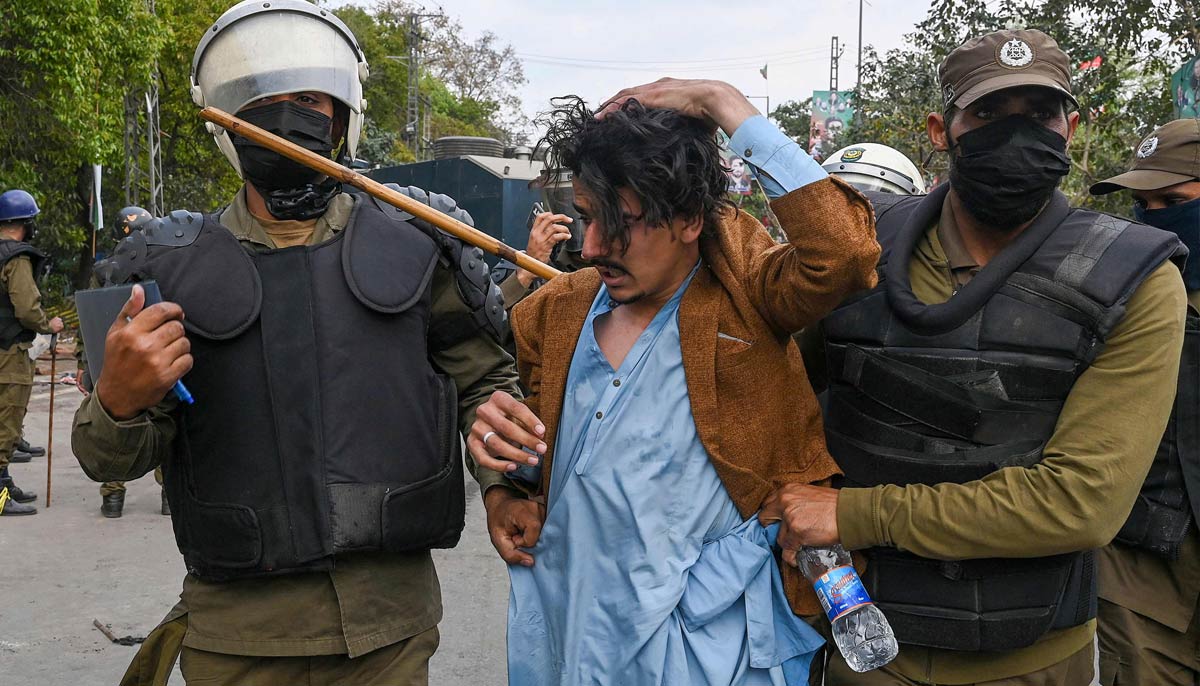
x=1150, y=575
x=878, y=168
x=997, y=399
x=555, y=237
x=112, y=493
x=21, y=319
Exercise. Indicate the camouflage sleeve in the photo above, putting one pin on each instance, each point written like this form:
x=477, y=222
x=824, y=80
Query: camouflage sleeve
x=23, y=291
x=478, y=365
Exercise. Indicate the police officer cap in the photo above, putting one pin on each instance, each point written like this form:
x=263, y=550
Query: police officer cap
x=1169, y=156
x=1004, y=59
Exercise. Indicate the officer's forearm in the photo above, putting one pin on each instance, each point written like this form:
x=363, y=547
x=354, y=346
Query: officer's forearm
x=109, y=450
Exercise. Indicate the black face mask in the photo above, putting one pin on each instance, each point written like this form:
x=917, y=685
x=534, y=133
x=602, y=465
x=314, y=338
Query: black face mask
x=1006, y=172
x=1183, y=220
x=290, y=189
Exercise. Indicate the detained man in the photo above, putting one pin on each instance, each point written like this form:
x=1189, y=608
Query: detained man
x=668, y=401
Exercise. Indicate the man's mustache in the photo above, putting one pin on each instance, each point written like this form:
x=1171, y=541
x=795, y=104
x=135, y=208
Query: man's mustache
x=608, y=264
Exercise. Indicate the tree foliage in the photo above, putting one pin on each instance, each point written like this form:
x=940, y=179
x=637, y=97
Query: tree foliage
x=1141, y=42
x=67, y=66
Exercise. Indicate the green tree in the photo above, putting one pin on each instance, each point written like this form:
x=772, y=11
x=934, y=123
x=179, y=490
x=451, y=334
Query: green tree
x=794, y=118
x=1140, y=43
x=64, y=67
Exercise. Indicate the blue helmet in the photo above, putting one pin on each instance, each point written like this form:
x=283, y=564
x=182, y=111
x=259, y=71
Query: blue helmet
x=17, y=205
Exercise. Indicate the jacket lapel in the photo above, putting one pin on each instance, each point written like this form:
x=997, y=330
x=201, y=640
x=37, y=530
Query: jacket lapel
x=698, y=316
x=565, y=317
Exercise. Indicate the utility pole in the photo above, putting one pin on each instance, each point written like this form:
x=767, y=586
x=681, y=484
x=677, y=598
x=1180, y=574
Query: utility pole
x=858, y=79
x=143, y=145
x=417, y=120
x=835, y=54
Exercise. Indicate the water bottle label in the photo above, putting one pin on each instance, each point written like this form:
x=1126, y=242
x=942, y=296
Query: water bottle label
x=840, y=592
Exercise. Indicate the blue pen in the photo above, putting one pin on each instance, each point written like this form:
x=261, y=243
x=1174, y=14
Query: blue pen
x=182, y=393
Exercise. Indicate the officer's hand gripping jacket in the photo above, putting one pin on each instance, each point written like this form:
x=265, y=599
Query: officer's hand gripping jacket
x=951, y=392
x=320, y=425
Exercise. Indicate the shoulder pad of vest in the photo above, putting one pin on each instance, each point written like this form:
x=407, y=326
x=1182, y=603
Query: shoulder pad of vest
x=472, y=278
x=502, y=271
x=176, y=230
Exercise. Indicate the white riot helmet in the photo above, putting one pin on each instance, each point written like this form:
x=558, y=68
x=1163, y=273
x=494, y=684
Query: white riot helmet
x=875, y=167
x=261, y=48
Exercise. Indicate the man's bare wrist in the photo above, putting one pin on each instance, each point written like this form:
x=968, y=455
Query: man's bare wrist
x=729, y=108
x=115, y=413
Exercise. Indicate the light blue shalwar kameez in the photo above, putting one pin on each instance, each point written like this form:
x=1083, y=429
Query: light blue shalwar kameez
x=645, y=572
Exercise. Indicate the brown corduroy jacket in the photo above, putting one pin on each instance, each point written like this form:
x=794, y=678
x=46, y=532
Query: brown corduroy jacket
x=754, y=409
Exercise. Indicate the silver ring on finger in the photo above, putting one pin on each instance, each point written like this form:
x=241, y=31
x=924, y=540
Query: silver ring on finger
x=486, y=436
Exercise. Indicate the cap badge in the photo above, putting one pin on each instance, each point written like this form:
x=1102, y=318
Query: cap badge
x=948, y=94
x=853, y=155
x=1015, y=54
x=1147, y=147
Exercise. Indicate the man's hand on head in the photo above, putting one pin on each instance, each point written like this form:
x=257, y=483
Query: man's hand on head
x=715, y=102
x=513, y=522
x=504, y=427
x=808, y=515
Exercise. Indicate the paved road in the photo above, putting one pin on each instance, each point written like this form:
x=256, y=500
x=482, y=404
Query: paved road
x=67, y=565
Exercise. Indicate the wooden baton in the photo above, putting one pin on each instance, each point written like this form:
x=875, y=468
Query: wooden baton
x=450, y=225
x=50, y=432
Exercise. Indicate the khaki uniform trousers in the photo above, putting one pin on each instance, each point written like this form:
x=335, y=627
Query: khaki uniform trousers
x=401, y=664
x=1138, y=650
x=1076, y=670
x=14, y=399
x=111, y=487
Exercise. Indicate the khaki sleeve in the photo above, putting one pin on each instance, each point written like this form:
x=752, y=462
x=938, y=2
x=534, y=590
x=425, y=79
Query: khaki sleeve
x=1081, y=492
x=111, y=450
x=831, y=252
x=513, y=290
x=479, y=367
x=23, y=291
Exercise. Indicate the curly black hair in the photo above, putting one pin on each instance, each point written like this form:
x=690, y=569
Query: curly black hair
x=671, y=162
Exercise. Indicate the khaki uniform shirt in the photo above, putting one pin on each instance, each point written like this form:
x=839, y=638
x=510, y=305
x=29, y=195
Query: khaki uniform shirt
x=16, y=278
x=1150, y=585
x=1076, y=498
x=368, y=600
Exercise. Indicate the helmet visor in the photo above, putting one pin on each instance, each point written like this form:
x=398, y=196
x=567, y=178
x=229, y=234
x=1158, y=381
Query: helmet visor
x=274, y=53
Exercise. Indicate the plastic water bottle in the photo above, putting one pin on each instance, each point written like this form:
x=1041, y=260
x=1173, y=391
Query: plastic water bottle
x=860, y=630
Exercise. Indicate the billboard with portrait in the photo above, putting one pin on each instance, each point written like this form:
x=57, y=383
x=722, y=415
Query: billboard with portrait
x=831, y=113
x=1185, y=89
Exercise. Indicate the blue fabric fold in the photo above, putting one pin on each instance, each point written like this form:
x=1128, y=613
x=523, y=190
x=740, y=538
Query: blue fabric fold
x=741, y=565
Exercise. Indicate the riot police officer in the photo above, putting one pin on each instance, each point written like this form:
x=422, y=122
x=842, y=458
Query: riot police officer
x=979, y=396
x=872, y=167
x=1150, y=574
x=21, y=319
x=335, y=348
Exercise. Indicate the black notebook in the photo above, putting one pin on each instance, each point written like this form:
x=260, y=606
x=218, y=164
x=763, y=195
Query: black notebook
x=98, y=308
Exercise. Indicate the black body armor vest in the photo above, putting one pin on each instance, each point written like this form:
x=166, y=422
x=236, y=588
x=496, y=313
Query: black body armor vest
x=1165, y=509
x=320, y=427
x=951, y=392
x=12, y=331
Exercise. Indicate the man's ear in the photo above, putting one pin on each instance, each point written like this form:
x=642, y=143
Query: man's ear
x=1072, y=124
x=690, y=229
x=935, y=126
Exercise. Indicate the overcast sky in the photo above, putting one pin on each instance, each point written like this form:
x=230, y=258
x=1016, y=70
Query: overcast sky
x=593, y=49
